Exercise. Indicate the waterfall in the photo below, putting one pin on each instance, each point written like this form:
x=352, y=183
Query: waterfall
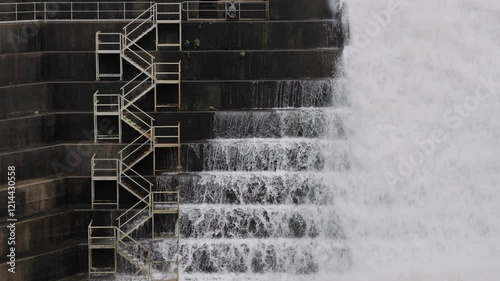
x=421, y=79
x=256, y=204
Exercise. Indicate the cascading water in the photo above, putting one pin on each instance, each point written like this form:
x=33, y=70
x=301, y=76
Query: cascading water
x=423, y=199
x=260, y=207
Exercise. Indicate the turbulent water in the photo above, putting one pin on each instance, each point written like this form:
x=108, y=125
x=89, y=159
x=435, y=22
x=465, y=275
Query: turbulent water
x=395, y=178
x=424, y=202
x=261, y=207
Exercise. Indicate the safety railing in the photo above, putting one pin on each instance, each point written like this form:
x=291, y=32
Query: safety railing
x=137, y=28
x=101, y=236
x=106, y=105
x=138, y=255
x=138, y=86
x=169, y=12
x=104, y=167
x=167, y=134
x=143, y=124
x=108, y=44
x=130, y=176
x=165, y=201
x=139, y=58
x=168, y=71
x=134, y=213
x=121, y=11
x=226, y=10
x=134, y=151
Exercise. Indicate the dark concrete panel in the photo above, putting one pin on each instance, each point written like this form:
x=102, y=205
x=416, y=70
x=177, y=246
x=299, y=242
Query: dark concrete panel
x=58, y=160
x=46, y=194
x=39, y=67
x=48, y=266
x=78, y=127
x=262, y=35
x=300, y=9
x=40, y=232
x=196, y=95
x=237, y=95
x=22, y=69
x=78, y=96
x=25, y=100
x=249, y=65
x=27, y=131
x=70, y=66
x=226, y=35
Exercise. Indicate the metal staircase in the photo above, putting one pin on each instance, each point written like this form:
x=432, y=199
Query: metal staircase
x=122, y=173
x=123, y=170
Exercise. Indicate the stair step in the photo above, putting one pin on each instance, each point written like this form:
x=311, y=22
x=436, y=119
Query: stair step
x=167, y=81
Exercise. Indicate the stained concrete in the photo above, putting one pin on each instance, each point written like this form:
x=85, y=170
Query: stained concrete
x=41, y=69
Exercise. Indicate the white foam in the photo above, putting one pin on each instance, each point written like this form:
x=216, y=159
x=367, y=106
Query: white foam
x=441, y=220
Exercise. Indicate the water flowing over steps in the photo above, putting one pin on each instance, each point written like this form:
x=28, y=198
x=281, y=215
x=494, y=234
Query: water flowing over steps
x=290, y=154
x=260, y=207
x=299, y=122
x=132, y=258
x=252, y=187
x=259, y=221
x=304, y=256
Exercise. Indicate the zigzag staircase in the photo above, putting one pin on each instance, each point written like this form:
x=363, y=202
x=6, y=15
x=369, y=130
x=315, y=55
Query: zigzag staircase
x=123, y=170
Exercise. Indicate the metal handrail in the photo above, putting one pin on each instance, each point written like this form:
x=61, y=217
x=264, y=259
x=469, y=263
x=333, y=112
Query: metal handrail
x=126, y=110
x=152, y=17
x=187, y=7
x=176, y=72
x=125, y=48
x=47, y=11
x=133, y=80
x=102, y=40
x=92, y=238
x=138, y=85
x=141, y=177
x=120, y=232
x=178, y=12
x=154, y=202
x=118, y=219
x=137, y=18
x=148, y=141
x=92, y=170
x=97, y=104
x=140, y=110
x=95, y=161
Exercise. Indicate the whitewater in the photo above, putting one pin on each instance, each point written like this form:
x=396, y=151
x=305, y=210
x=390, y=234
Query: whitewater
x=422, y=197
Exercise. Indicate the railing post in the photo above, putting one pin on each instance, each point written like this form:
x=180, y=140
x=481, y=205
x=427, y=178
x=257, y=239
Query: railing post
x=98, y=16
x=124, y=10
x=71, y=13
x=267, y=10
x=97, y=55
x=34, y=11
x=44, y=11
x=16, y=11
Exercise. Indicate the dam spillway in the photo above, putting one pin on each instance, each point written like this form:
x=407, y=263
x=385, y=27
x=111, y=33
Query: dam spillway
x=258, y=204
x=297, y=152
